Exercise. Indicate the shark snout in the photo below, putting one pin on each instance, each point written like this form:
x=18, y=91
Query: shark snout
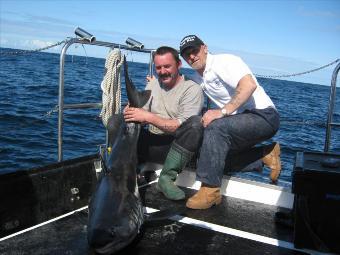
x=107, y=241
x=100, y=237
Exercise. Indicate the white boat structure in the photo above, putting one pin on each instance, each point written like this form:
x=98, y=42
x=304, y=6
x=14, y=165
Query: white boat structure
x=44, y=210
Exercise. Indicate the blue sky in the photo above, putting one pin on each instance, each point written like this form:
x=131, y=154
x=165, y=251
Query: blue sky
x=273, y=37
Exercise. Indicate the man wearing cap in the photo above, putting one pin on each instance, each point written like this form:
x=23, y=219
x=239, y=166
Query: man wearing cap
x=246, y=117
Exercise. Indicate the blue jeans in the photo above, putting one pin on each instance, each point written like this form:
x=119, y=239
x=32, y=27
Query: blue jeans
x=233, y=133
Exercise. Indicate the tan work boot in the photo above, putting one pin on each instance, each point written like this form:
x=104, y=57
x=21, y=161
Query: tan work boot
x=205, y=198
x=272, y=160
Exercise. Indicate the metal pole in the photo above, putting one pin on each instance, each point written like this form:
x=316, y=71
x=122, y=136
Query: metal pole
x=61, y=105
x=113, y=45
x=61, y=99
x=151, y=63
x=331, y=108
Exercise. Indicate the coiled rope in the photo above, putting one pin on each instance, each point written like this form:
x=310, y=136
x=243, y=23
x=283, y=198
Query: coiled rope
x=111, y=87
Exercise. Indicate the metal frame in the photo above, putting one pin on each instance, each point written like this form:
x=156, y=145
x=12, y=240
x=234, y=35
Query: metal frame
x=61, y=105
x=331, y=104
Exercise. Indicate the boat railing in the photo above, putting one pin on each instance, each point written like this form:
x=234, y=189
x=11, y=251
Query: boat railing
x=331, y=104
x=133, y=45
x=61, y=105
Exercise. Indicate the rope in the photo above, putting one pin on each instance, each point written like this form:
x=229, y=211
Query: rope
x=296, y=74
x=110, y=85
x=22, y=52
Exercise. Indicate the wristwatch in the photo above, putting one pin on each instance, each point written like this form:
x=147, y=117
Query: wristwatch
x=224, y=112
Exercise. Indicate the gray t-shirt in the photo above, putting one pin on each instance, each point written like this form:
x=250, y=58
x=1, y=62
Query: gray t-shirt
x=180, y=102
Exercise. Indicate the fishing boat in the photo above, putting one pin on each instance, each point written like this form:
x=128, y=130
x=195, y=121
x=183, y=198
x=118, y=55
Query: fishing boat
x=44, y=210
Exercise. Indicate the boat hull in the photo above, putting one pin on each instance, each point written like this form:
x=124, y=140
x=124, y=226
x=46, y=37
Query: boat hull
x=29, y=197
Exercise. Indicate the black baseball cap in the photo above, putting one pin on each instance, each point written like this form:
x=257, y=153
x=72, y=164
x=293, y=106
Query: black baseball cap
x=190, y=41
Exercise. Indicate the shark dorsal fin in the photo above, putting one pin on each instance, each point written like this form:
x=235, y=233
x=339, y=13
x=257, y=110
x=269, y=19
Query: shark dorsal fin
x=136, y=98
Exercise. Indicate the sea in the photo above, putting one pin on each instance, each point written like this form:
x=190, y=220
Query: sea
x=29, y=88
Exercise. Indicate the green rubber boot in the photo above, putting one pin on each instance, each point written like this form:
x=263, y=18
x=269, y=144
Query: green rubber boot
x=175, y=161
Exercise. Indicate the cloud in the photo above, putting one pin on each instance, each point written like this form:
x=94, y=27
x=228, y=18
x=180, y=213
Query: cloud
x=33, y=29
x=26, y=44
x=48, y=20
x=36, y=18
x=37, y=43
x=330, y=14
x=323, y=13
x=38, y=31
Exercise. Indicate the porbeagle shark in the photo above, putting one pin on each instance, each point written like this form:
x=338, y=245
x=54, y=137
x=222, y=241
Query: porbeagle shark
x=115, y=210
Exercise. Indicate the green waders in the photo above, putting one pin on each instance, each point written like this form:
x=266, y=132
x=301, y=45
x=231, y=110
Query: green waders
x=175, y=161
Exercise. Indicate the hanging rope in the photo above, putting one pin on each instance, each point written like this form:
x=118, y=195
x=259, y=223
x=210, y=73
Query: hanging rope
x=22, y=52
x=111, y=86
x=296, y=74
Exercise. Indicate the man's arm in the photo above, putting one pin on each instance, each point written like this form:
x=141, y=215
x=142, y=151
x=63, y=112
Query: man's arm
x=140, y=115
x=143, y=116
x=191, y=103
x=244, y=90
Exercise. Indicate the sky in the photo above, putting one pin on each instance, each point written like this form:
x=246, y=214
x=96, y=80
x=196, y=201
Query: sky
x=273, y=37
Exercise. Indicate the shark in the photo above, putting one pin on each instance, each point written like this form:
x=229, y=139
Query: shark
x=115, y=209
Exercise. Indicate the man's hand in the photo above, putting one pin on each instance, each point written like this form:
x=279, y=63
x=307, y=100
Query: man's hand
x=140, y=115
x=150, y=78
x=132, y=114
x=211, y=115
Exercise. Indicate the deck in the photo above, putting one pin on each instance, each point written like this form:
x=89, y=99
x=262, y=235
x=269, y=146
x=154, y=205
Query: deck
x=234, y=227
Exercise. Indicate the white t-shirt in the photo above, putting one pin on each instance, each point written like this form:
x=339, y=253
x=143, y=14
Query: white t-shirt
x=221, y=77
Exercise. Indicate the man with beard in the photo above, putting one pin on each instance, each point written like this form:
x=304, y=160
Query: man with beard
x=174, y=129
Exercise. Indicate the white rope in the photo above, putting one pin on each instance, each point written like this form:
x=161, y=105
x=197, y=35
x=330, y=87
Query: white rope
x=111, y=86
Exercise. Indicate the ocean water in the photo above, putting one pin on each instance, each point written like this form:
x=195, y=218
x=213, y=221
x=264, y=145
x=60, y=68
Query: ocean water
x=29, y=126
